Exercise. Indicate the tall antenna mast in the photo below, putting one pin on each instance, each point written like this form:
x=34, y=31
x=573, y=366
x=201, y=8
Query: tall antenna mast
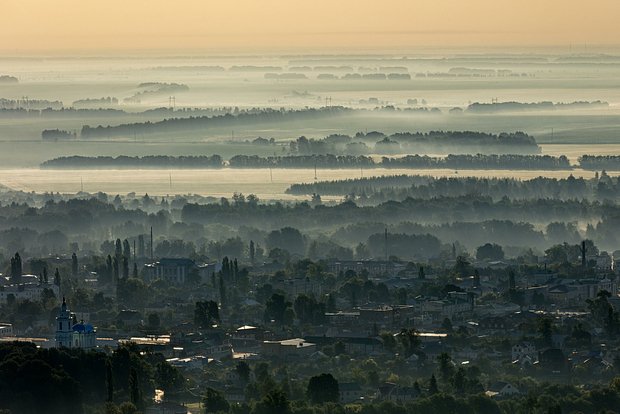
x=151, y=243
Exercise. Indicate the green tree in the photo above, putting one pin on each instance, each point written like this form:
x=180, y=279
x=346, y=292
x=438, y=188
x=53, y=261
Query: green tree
x=243, y=371
x=16, y=269
x=57, y=277
x=206, y=314
x=252, y=252
x=459, y=381
x=490, y=251
x=214, y=401
x=168, y=378
x=275, y=402
x=135, y=395
x=125, y=263
x=432, y=385
x=545, y=329
x=446, y=366
x=323, y=388
x=74, y=265
x=154, y=321
x=276, y=308
x=409, y=340
x=109, y=379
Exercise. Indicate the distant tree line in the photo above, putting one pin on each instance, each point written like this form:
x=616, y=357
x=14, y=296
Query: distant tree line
x=512, y=162
x=400, y=187
x=96, y=102
x=480, y=161
x=201, y=122
x=29, y=104
x=123, y=161
x=8, y=79
x=600, y=162
x=483, y=108
x=57, y=134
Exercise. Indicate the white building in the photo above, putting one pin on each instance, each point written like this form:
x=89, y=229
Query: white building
x=6, y=329
x=172, y=270
x=30, y=290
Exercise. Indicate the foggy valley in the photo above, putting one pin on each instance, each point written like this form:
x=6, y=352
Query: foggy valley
x=286, y=220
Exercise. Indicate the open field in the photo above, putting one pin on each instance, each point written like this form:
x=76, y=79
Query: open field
x=221, y=182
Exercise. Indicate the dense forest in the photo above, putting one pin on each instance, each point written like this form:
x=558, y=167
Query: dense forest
x=465, y=162
x=65, y=380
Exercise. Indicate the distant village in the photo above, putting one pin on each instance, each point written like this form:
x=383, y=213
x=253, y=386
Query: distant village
x=386, y=330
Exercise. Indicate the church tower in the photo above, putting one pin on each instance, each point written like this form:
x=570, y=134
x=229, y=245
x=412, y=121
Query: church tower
x=64, y=331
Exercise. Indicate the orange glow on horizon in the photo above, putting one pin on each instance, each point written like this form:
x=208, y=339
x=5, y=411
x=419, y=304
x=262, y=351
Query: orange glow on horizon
x=41, y=25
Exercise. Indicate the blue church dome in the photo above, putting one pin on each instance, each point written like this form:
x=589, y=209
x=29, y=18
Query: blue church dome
x=83, y=328
x=79, y=327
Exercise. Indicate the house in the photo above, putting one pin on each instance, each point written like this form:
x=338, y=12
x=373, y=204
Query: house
x=288, y=348
x=247, y=337
x=31, y=290
x=501, y=389
x=299, y=285
x=373, y=267
x=396, y=393
x=6, y=329
x=493, y=323
x=235, y=395
x=349, y=392
x=523, y=350
x=567, y=291
x=453, y=306
x=396, y=315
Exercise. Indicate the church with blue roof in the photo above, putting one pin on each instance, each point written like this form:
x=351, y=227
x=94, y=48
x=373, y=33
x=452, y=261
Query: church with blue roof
x=73, y=335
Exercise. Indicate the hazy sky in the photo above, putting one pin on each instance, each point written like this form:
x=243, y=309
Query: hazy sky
x=252, y=25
